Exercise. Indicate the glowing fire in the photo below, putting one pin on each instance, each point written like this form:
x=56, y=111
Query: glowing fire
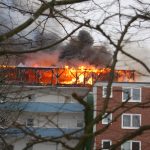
x=82, y=75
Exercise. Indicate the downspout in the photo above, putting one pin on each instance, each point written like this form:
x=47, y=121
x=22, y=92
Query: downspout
x=88, y=119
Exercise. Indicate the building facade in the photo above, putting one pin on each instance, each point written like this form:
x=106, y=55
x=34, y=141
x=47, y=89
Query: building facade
x=127, y=111
x=42, y=112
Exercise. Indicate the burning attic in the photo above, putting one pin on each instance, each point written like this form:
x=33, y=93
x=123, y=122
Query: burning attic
x=80, y=76
x=78, y=63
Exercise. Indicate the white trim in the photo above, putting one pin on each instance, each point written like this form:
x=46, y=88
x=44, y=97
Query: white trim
x=103, y=120
x=105, y=140
x=131, y=141
x=103, y=93
x=131, y=88
x=131, y=115
x=95, y=104
x=95, y=112
x=125, y=84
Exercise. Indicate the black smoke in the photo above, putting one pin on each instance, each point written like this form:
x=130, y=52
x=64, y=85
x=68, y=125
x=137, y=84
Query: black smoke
x=81, y=48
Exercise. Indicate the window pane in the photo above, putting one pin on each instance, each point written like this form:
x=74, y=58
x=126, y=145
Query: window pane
x=107, y=118
x=30, y=122
x=136, y=121
x=105, y=92
x=136, y=94
x=105, y=121
x=126, y=94
x=126, y=120
x=135, y=146
x=106, y=145
x=126, y=146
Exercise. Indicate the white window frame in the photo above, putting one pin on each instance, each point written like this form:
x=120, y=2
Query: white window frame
x=131, y=115
x=131, y=100
x=103, y=120
x=103, y=93
x=105, y=140
x=131, y=141
x=27, y=122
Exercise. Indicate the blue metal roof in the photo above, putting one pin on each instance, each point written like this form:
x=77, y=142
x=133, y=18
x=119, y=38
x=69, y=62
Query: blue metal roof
x=43, y=132
x=42, y=107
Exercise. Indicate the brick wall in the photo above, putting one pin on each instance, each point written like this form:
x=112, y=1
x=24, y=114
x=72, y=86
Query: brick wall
x=115, y=131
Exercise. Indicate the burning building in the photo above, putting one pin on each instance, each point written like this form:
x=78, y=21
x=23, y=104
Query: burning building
x=39, y=96
x=38, y=93
x=43, y=100
x=80, y=76
x=133, y=97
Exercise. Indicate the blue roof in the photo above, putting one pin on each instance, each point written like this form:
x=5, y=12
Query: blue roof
x=43, y=132
x=42, y=107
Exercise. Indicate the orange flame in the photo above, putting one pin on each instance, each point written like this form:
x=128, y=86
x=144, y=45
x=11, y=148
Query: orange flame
x=85, y=75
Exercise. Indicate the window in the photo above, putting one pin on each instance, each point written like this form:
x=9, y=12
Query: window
x=31, y=97
x=30, y=122
x=131, y=121
x=131, y=94
x=131, y=145
x=106, y=144
x=107, y=118
x=80, y=123
x=105, y=92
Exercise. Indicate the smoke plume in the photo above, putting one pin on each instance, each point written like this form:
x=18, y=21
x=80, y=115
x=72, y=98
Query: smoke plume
x=81, y=48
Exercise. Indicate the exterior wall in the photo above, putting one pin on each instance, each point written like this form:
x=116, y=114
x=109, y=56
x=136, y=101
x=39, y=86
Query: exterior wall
x=66, y=119
x=45, y=93
x=19, y=144
x=47, y=146
x=115, y=131
x=44, y=120
x=53, y=146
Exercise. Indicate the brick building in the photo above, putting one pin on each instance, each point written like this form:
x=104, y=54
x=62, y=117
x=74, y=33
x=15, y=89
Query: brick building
x=130, y=100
